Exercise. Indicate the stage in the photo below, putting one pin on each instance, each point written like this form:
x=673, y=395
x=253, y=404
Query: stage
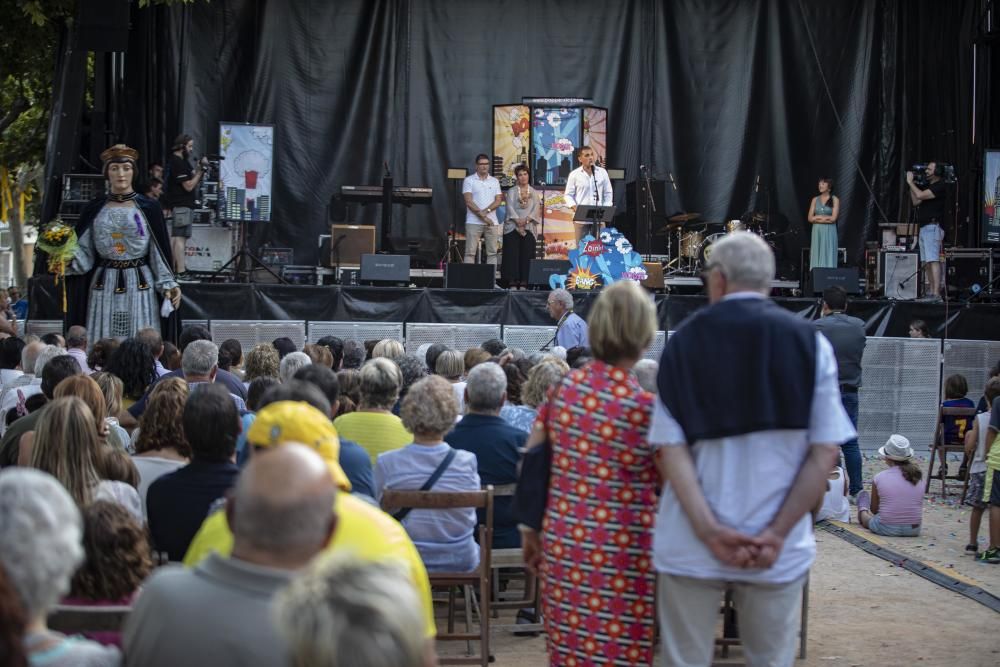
x=260, y=302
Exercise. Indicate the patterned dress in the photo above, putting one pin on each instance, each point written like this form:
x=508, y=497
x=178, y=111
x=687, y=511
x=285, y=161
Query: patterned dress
x=598, y=578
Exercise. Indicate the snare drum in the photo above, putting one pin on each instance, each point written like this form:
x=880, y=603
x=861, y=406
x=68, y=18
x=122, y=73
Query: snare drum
x=735, y=226
x=705, y=252
x=690, y=244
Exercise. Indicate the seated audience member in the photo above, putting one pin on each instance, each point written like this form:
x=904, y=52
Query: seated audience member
x=343, y=606
x=89, y=392
x=362, y=529
x=15, y=396
x=262, y=361
x=177, y=502
x=10, y=360
x=578, y=357
x=318, y=354
x=495, y=347
x=432, y=354
x=388, y=348
x=116, y=465
x=133, y=362
x=117, y=561
x=161, y=446
x=151, y=337
x=954, y=428
x=255, y=392
x=412, y=369
x=284, y=345
x=354, y=355
x=111, y=387
x=975, y=451
x=350, y=384
x=835, y=504
x=19, y=304
x=336, y=347
x=444, y=538
x=231, y=357
x=373, y=426
x=645, y=371
x=451, y=366
x=76, y=346
x=495, y=443
x=473, y=357
x=290, y=363
x=515, y=382
x=354, y=460
x=919, y=329
x=541, y=378
x=219, y=613
x=40, y=535
x=200, y=364
x=53, y=338
x=55, y=372
x=895, y=505
x=13, y=622
x=101, y=353
x=66, y=445
x=171, y=357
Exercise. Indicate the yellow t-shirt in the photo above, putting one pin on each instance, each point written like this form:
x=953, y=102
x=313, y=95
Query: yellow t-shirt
x=377, y=432
x=362, y=529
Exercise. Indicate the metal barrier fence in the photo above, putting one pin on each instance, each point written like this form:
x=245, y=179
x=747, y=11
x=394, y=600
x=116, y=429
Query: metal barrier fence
x=457, y=336
x=359, y=331
x=250, y=333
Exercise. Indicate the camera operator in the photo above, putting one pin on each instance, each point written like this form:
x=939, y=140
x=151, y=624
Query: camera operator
x=930, y=203
x=181, y=196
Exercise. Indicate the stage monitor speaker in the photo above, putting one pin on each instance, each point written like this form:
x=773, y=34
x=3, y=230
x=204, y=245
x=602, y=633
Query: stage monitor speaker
x=539, y=271
x=654, y=276
x=470, y=276
x=102, y=25
x=846, y=277
x=637, y=203
x=898, y=273
x=385, y=268
x=357, y=240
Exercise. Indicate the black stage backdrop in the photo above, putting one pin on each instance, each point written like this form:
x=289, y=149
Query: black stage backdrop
x=745, y=102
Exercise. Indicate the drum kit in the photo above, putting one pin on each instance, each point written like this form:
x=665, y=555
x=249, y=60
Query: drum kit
x=694, y=238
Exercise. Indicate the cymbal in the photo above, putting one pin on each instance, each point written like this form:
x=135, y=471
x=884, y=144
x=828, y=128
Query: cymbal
x=670, y=228
x=684, y=217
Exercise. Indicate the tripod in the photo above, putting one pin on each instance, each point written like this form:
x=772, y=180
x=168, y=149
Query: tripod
x=246, y=261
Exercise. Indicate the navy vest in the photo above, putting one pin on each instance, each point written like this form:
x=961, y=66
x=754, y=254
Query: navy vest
x=739, y=366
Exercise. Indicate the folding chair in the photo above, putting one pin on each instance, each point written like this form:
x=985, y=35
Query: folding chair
x=956, y=444
x=440, y=500
x=730, y=627
x=76, y=619
x=508, y=559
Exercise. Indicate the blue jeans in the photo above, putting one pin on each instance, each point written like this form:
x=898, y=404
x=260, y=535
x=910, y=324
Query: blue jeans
x=851, y=449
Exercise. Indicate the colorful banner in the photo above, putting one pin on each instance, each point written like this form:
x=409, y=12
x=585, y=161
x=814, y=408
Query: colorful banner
x=555, y=135
x=601, y=262
x=511, y=140
x=245, y=171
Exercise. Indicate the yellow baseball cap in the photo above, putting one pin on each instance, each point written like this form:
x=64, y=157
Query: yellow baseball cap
x=296, y=421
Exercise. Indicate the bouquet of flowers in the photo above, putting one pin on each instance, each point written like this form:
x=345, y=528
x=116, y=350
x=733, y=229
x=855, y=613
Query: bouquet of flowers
x=59, y=242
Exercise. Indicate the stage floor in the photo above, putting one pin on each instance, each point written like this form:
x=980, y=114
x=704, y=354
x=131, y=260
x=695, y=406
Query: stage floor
x=217, y=301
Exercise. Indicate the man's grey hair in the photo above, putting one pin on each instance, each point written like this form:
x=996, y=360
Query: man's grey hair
x=40, y=537
x=342, y=606
x=645, y=372
x=745, y=260
x=76, y=336
x=563, y=297
x=291, y=363
x=48, y=353
x=354, y=354
x=486, y=385
x=29, y=355
x=199, y=358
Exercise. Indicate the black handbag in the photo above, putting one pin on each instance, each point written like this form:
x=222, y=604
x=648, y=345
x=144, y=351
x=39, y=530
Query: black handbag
x=531, y=496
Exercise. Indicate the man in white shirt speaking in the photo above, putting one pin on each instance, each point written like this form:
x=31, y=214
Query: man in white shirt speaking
x=587, y=185
x=482, y=198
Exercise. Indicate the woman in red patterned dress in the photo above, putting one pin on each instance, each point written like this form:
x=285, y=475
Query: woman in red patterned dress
x=598, y=578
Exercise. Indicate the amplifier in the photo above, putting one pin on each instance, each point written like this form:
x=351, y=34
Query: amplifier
x=898, y=275
x=355, y=240
x=539, y=271
x=654, y=276
x=469, y=276
x=968, y=269
x=385, y=268
x=209, y=248
x=846, y=277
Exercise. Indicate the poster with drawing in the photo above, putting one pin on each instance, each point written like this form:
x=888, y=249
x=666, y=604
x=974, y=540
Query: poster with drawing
x=245, y=174
x=555, y=135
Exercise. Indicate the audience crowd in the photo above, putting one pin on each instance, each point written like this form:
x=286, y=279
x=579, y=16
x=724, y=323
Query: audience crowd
x=228, y=498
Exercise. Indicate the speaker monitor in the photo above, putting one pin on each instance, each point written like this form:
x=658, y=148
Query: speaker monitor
x=539, y=271
x=846, y=277
x=385, y=268
x=469, y=276
x=355, y=241
x=898, y=273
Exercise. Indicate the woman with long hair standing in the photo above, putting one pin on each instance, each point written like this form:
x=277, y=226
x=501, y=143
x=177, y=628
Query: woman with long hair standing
x=824, y=209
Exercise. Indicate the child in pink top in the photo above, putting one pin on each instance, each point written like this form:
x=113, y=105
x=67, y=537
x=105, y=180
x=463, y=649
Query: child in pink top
x=895, y=505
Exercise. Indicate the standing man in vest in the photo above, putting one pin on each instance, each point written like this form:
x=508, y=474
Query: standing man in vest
x=931, y=204
x=587, y=185
x=571, y=329
x=746, y=428
x=847, y=336
x=182, y=196
x=482, y=198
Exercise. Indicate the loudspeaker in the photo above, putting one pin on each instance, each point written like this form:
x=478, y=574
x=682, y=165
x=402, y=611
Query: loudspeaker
x=637, y=202
x=898, y=273
x=357, y=240
x=470, y=276
x=539, y=271
x=846, y=277
x=102, y=25
x=385, y=268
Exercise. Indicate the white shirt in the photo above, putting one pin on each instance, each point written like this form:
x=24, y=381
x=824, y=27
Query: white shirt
x=745, y=480
x=580, y=188
x=484, y=193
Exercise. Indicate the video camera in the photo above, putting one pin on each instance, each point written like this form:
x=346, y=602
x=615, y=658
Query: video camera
x=920, y=174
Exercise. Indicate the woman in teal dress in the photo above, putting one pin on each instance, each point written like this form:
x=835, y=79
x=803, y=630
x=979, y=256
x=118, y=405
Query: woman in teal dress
x=823, y=211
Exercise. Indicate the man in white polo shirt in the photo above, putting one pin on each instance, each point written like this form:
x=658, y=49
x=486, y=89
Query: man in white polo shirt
x=482, y=198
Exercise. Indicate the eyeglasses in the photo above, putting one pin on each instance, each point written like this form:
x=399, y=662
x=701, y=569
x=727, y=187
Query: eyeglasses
x=482, y=164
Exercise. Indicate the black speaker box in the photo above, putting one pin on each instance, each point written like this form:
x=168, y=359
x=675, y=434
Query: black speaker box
x=539, y=271
x=641, y=217
x=385, y=268
x=470, y=276
x=846, y=277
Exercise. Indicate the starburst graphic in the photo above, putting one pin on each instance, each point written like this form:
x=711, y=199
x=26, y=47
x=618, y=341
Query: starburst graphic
x=582, y=278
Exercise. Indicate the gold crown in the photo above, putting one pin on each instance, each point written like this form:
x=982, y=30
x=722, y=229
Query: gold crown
x=119, y=152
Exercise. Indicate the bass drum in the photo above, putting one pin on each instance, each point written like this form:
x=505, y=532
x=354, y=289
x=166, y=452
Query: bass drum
x=705, y=251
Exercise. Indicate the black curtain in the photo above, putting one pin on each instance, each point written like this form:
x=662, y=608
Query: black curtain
x=745, y=102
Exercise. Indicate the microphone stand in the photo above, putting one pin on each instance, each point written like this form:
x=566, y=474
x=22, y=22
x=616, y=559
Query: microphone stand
x=336, y=254
x=650, y=216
